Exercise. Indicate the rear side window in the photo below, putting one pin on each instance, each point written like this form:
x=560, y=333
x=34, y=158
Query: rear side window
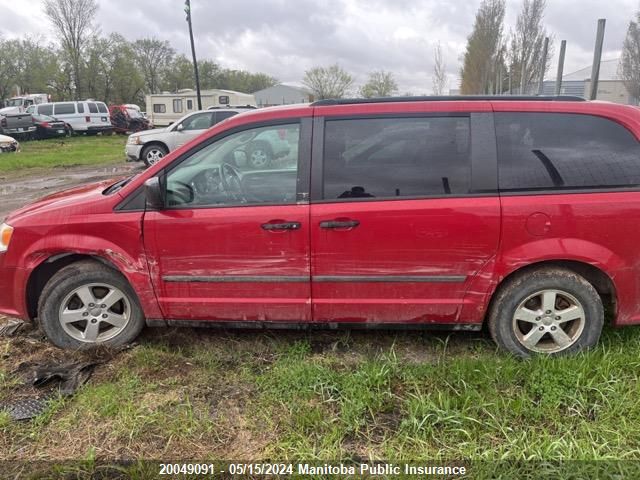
x=45, y=109
x=80, y=107
x=396, y=157
x=102, y=108
x=93, y=108
x=189, y=104
x=220, y=116
x=554, y=151
x=63, y=109
x=177, y=106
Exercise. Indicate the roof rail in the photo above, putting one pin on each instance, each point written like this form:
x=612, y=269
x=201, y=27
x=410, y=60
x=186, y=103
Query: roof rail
x=451, y=98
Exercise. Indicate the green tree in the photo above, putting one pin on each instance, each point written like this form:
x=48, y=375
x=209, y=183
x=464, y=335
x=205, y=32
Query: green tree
x=527, y=45
x=328, y=82
x=380, y=84
x=73, y=21
x=630, y=60
x=179, y=74
x=153, y=57
x=484, y=47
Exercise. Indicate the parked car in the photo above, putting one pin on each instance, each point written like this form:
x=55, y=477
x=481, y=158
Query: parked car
x=8, y=144
x=128, y=119
x=509, y=212
x=48, y=127
x=88, y=117
x=152, y=145
x=17, y=124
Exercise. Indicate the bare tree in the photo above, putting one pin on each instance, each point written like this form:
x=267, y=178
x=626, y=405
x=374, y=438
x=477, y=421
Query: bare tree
x=380, y=84
x=439, y=71
x=153, y=56
x=483, y=48
x=526, y=49
x=629, y=68
x=328, y=82
x=73, y=20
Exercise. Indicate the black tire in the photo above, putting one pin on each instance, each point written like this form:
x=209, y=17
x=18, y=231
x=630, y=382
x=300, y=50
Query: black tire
x=259, y=155
x=525, y=293
x=80, y=275
x=152, y=154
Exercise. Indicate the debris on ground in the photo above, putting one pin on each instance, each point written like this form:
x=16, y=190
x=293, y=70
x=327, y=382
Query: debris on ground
x=68, y=377
x=11, y=327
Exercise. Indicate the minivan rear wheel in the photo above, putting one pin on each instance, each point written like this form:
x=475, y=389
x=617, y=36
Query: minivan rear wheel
x=88, y=304
x=547, y=311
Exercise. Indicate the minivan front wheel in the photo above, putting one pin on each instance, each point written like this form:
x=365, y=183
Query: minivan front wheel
x=547, y=311
x=87, y=304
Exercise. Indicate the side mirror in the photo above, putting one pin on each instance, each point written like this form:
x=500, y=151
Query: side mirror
x=153, y=194
x=180, y=127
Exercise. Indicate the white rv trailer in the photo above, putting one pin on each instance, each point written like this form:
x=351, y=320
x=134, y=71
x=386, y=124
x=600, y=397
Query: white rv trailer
x=165, y=108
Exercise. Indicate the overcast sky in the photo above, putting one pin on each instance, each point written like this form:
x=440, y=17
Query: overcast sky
x=283, y=38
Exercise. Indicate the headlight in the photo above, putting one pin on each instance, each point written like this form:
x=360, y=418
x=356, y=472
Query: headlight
x=134, y=140
x=6, y=231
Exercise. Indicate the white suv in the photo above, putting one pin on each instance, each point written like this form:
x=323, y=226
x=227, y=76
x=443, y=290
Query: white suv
x=151, y=145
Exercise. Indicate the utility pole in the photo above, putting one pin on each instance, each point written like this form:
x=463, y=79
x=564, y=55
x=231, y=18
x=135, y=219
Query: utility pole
x=187, y=10
x=597, y=56
x=563, y=48
x=543, y=67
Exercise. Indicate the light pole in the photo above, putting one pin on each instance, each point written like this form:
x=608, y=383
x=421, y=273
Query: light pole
x=187, y=10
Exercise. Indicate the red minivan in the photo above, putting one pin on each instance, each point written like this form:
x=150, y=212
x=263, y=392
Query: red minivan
x=453, y=212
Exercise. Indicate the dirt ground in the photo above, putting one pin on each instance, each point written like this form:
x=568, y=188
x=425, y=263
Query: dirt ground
x=18, y=189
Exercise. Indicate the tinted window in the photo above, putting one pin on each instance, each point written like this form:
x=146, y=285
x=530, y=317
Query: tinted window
x=556, y=150
x=45, y=109
x=63, y=109
x=80, y=107
x=102, y=108
x=177, y=106
x=159, y=108
x=255, y=166
x=396, y=157
x=220, y=116
x=92, y=107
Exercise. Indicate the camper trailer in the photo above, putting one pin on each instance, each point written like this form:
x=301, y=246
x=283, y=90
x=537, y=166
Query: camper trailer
x=165, y=108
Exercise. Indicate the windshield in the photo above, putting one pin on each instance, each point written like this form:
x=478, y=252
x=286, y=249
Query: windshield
x=133, y=113
x=14, y=102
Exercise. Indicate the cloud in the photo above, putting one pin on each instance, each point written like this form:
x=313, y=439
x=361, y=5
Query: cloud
x=283, y=38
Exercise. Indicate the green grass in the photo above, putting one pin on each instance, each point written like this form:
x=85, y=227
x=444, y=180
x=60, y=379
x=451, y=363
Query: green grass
x=67, y=151
x=326, y=396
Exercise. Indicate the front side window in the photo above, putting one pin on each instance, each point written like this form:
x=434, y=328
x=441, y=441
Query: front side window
x=197, y=122
x=177, y=106
x=223, y=173
x=102, y=108
x=159, y=108
x=396, y=157
x=63, y=109
x=555, y=151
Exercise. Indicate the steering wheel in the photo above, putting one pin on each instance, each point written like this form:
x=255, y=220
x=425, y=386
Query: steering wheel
x=231, y=182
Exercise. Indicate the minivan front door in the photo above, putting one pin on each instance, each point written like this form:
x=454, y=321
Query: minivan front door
x=398, y=233
x=232, y=243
